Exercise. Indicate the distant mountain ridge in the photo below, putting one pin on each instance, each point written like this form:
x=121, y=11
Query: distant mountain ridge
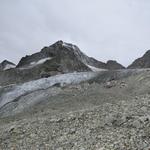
x=5, y=65
x=114, y=65
x=143, y=62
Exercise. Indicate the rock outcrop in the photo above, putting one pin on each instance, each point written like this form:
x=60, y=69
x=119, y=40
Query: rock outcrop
x=143, y=62
x=114, y=65
x=64, y=56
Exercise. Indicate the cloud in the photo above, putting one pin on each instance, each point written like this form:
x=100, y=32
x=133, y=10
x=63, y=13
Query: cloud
x=104, y=29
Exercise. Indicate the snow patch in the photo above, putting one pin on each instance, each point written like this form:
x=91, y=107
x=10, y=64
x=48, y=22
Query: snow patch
x=68, y=45
x=35, y=63
x=96, y=69
x=9, y=66
x=44, y=83
x=41, y=61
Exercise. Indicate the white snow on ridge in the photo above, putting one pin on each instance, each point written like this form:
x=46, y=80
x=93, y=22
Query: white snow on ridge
x=68, y=45
x=44, y=83
x=96, y=69
x=8, y=66
x=35, y=63
x=41, y=61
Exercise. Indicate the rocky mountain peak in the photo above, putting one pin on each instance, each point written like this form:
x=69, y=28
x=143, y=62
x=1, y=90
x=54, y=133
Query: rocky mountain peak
x=147, y=52
x=7, y=62
x=60, y=50
x=67, y=51
x=60, y=42
x=58, y=58
x=5, y=65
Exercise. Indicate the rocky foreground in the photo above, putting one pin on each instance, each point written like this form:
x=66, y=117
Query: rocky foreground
x=108, y=112
x=121, y=126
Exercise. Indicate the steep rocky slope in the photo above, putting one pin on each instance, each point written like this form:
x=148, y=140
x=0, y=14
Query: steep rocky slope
x=143, y=62
x=56, y=59
x=113, y=65
x=62, y=52
x=60, y=49
x=59, y=57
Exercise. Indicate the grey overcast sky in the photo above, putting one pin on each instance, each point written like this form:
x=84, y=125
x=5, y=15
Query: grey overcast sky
x=104, y=29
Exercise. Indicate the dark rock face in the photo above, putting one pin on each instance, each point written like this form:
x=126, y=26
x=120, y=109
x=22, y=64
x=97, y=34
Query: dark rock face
x=6, y=65
x=63, y=53
x=113, y=65
x=56, y=59
x=143, y=62
x=62, y=57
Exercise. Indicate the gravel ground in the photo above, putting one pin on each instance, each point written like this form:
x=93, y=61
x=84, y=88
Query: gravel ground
x=110, y=114
x=122, y=126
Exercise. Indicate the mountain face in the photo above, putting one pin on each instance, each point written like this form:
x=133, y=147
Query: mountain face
x=143, y=62
x=5, y=65
x=65, y=55
x=60, y=57
x=113, y=65
x=56, y=59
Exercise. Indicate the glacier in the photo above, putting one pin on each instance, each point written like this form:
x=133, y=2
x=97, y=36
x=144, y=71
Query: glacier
x=44, y=83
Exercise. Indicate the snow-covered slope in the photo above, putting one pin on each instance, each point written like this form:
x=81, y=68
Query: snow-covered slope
x=35, y=63
x=41, y=84
x=40, y=61
x=95, y=69
x=5, y=65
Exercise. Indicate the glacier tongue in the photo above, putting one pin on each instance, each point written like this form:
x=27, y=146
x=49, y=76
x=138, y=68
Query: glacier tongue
x=44, y=83
x=96, y=69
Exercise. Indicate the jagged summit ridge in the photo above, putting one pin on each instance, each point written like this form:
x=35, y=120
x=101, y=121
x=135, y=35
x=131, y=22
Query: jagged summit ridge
x=59, y=49
x=62, y=56
x=58, y=58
